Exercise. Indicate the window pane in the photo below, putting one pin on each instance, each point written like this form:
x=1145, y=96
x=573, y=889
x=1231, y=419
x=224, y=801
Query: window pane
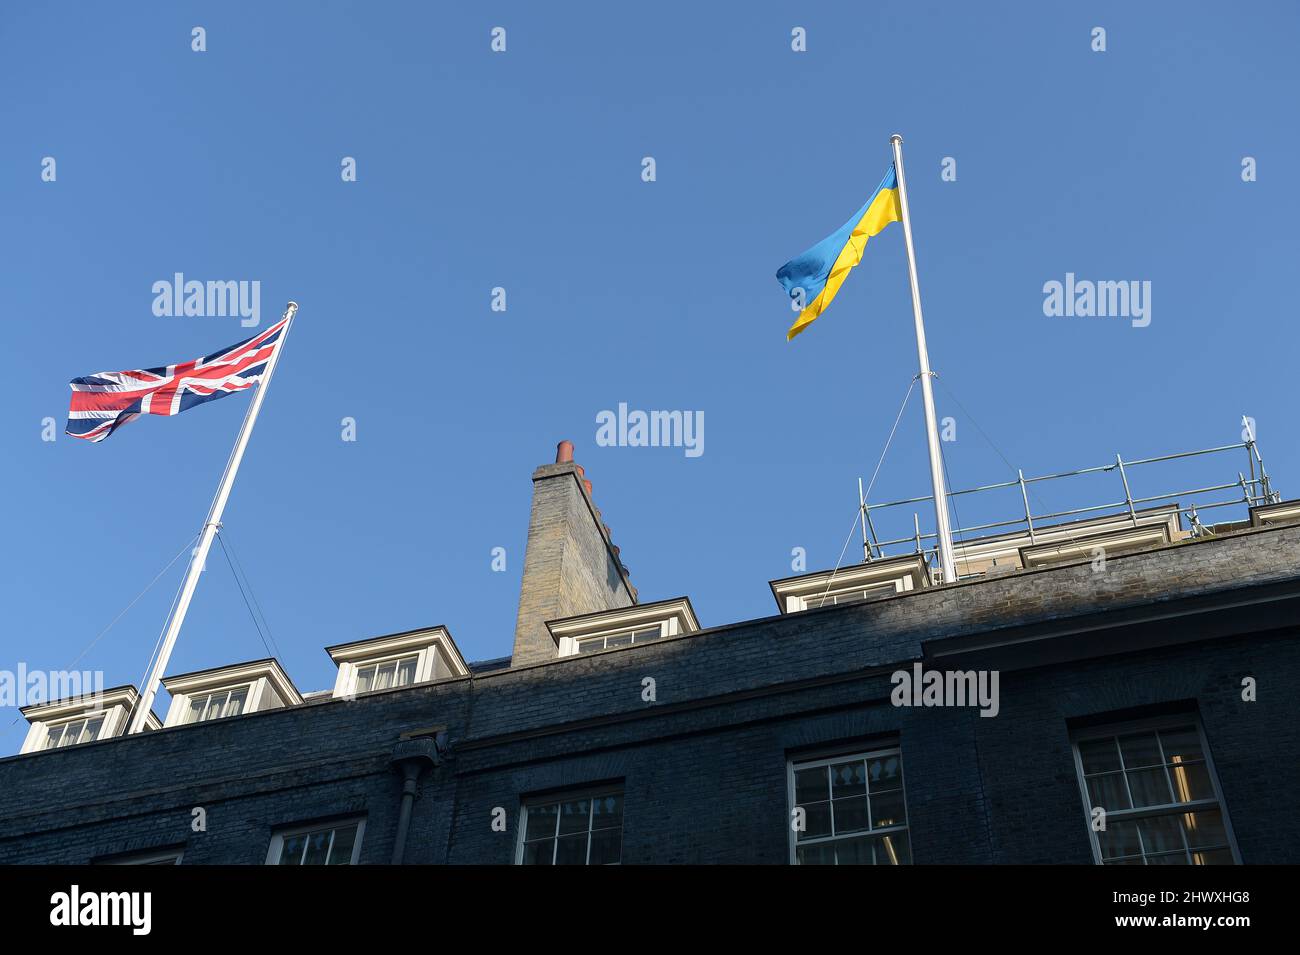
x=1204, y=829
x=575, y=816
x=215, y=702
x=1181, y=745
x=893, y=850
x=817, y=820
x=539, y=853
x=55, y=737
x=607, y=811
x=885, y=772
x=365, y=679
x=810, y=785
x=1168, y=858
x=592, y=645
x=1140, y=749
x=1099, y=756
x=344, y=840
x=606, y=846
x=384, y=675
x=850, y=814
x=1212, y=857
x=406, y=672
x=849, y=779
x=197, y=707
x=618, y=640
x=571, y=850
x=1108, y=792
x=1119, y=839
x=236, y=704
x=1191, y=781
x=318, y=847
x=645, y=636
x=1149, y=787
x=541, y=821
x=854, y=852
x=887, y=809
x=1161, y=834
x=291, y=850
x=91, y=730
x=823, y=854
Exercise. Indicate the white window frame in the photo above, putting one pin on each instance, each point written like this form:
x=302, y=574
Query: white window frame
x=1108, y=730
x=812, y=761
x=868, y=592
x=269, y=688
x=661, y=626
x=278, y=836
x=674, y=618
x=187, y=715
x=115, y=705
x=61, y=726
x=568, y=796
x=425, y=662
x=427, y=646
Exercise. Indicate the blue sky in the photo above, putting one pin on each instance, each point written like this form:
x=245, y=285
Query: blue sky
x=522, y=170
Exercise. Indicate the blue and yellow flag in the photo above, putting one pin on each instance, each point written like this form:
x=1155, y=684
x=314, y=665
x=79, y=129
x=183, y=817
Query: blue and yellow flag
x=814, y=278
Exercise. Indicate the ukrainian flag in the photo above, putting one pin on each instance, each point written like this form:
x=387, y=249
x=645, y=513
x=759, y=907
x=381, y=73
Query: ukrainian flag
x=818, y=274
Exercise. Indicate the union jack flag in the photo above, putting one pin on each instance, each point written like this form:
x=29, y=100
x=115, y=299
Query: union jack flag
x=104, y=402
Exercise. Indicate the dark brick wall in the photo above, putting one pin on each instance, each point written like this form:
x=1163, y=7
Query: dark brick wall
x=704, y=765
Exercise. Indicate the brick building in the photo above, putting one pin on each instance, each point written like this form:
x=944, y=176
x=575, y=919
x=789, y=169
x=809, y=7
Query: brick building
x=1155, y=689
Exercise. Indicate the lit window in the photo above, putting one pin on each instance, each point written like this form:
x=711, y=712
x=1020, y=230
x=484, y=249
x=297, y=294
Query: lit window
x=853, y=810
x=74, y=731
x=338, y=844
x=621, y=638
x=1156, y=786
x=580, y=830
x=386, y=675
x=214, y=706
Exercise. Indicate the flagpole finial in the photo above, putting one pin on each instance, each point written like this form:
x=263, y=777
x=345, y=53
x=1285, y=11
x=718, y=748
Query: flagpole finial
x=896, y=138
x=292, y=307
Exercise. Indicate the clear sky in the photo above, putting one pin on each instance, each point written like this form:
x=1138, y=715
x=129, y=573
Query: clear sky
x=523, y=170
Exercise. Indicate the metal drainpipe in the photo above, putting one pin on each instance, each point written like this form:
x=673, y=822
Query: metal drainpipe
x=411, y=757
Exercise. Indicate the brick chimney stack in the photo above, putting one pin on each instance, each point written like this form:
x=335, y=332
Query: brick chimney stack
x=571, y=566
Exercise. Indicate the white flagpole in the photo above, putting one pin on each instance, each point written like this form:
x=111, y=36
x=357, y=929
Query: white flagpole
x=210, y=528
x=947, y=561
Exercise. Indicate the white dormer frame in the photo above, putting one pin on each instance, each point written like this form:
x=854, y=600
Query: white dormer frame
x=883, y=577
x=980, y=555
x=114, y=705
x=269, y=688
x=1283, y=512
x=1087, y=548
x=672, y=617
x=430, y=647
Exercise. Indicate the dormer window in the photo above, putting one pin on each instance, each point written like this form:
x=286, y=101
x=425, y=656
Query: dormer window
x=625, y=627
x=214, y=706
x=402, y=659
x=384, y=676
x=873, y=580
x=71, y=732
x=622, y=638
x=81, y=719
x=229, y=691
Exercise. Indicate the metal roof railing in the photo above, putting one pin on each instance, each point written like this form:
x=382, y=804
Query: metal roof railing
x=1253, y=487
